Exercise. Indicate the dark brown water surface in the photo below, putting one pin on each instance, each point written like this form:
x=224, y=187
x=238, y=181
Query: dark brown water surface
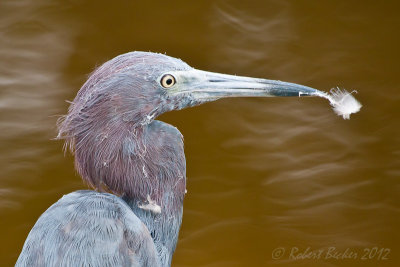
x=270, y=181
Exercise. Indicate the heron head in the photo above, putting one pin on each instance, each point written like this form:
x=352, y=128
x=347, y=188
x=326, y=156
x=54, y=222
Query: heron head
x=136, y=87
x=112, y=111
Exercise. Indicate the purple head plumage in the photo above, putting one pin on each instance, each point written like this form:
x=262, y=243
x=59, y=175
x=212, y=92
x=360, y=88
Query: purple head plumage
x=107, y=119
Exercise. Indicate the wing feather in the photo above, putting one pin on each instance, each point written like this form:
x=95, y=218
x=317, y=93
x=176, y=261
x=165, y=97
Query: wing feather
x=87, y=228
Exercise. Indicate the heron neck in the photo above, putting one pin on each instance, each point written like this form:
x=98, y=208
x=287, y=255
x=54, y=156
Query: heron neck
x=146, y=165
x=162, y=170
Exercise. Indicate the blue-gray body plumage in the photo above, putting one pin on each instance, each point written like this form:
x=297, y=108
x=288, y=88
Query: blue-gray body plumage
x=87, y=228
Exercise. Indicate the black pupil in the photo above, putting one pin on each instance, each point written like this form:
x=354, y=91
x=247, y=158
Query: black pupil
x=169, y=81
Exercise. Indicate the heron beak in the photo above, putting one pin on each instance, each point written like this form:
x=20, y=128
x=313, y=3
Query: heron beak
x=208, y=86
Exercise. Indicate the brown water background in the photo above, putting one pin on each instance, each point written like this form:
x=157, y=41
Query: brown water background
x=263, y=174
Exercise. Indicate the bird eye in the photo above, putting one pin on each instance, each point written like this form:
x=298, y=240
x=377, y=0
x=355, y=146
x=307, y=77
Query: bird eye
x=167, y=80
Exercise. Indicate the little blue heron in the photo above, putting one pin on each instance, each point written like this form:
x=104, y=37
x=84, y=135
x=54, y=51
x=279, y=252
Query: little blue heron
x=119, y=148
